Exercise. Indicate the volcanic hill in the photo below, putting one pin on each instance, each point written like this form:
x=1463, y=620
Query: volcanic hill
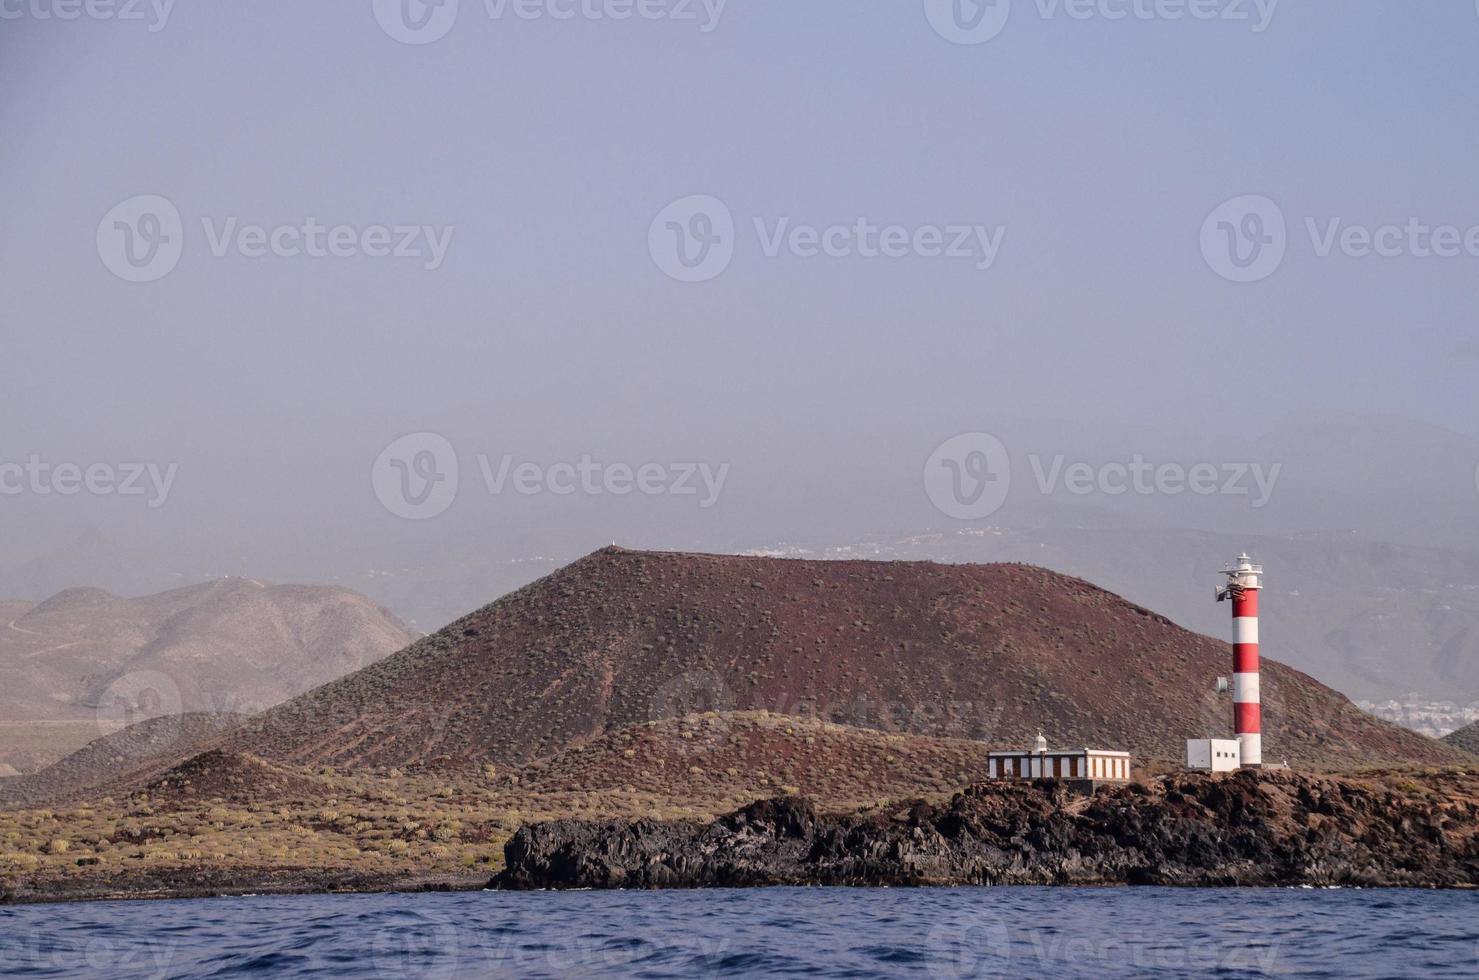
x=140, y=751
x=747, y=755
x=1465, y=738
x=987, y=652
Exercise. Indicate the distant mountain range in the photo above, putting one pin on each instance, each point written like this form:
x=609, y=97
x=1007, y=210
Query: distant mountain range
x=88, y=657
x=1371, y=537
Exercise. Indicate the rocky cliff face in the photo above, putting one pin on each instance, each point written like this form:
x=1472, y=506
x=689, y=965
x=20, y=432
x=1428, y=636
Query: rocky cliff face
x=1257, y=829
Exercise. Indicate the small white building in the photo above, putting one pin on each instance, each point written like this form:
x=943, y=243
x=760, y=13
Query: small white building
x=1098, y=765
x=1213, y=754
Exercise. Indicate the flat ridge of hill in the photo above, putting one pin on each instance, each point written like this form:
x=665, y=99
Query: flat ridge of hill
x=994, y=653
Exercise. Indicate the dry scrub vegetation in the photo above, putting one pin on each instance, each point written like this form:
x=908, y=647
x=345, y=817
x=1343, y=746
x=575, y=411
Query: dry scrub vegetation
x=225, y=819
x=383, y=826
x=227, y=822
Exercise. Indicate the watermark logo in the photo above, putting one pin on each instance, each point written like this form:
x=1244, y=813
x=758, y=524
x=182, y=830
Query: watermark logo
x=692, y=239
x=980, y=244
x=706, y=13
x=1415, y=238
x=40, y=478
x=137, y=696
x=419, y=945
x=979, y=947
x=156, y=12
x=699, y=692
x=425, y=21
x=416, y=21
x=1144, y=478
x=428, y=243
x=416, y=476
x=593, y=478
x=141, y=239
x=979, y=21
x=1257, y=13
x=967, y=477
x=1245, y=239
x=48, y=952
x=968, y=21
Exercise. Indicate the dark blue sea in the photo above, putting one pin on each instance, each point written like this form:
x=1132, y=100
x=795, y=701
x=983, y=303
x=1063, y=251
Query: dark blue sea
x=963, y=932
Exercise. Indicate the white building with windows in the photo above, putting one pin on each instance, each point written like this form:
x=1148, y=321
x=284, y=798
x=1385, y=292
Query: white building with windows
x=1213, y=754
x=1095, y=765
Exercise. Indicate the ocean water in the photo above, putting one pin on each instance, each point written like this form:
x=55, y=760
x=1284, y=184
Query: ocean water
x=957, y=932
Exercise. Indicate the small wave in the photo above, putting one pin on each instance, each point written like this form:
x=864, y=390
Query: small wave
x=772, y=932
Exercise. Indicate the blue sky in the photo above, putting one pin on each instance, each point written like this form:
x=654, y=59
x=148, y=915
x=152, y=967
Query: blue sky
x=547, y=147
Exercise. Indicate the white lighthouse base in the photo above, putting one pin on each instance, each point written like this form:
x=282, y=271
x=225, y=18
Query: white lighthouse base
x=1250, y=748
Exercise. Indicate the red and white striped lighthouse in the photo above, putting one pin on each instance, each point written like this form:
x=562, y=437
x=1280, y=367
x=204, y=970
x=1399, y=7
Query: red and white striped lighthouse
x=1244, y=581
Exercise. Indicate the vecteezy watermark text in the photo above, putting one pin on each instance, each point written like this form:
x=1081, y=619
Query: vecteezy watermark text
x=694, y=239
x=156, y=12
x=864, y=239
x=979, y=21
x=425, y=21
x=1246, y=238
x=1145, y=478
x=142, y=239
x=47, y=951
x=425, y=242
x=418, y=476
x=42, y=479
x=969, y=476
x=593, y=478
x=992, y=945
x=705, y=13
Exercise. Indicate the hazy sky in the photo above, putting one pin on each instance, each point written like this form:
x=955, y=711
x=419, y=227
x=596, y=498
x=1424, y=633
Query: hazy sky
x=1092, y=152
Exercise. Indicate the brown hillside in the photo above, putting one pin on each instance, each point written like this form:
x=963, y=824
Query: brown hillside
x=230, y=645
x=142, y=749
x=746, y=755
x=1465, y=738
x=232, y=777
x=988, y=652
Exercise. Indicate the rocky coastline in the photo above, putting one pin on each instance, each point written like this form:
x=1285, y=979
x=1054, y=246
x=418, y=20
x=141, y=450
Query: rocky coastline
x=1242, y=829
